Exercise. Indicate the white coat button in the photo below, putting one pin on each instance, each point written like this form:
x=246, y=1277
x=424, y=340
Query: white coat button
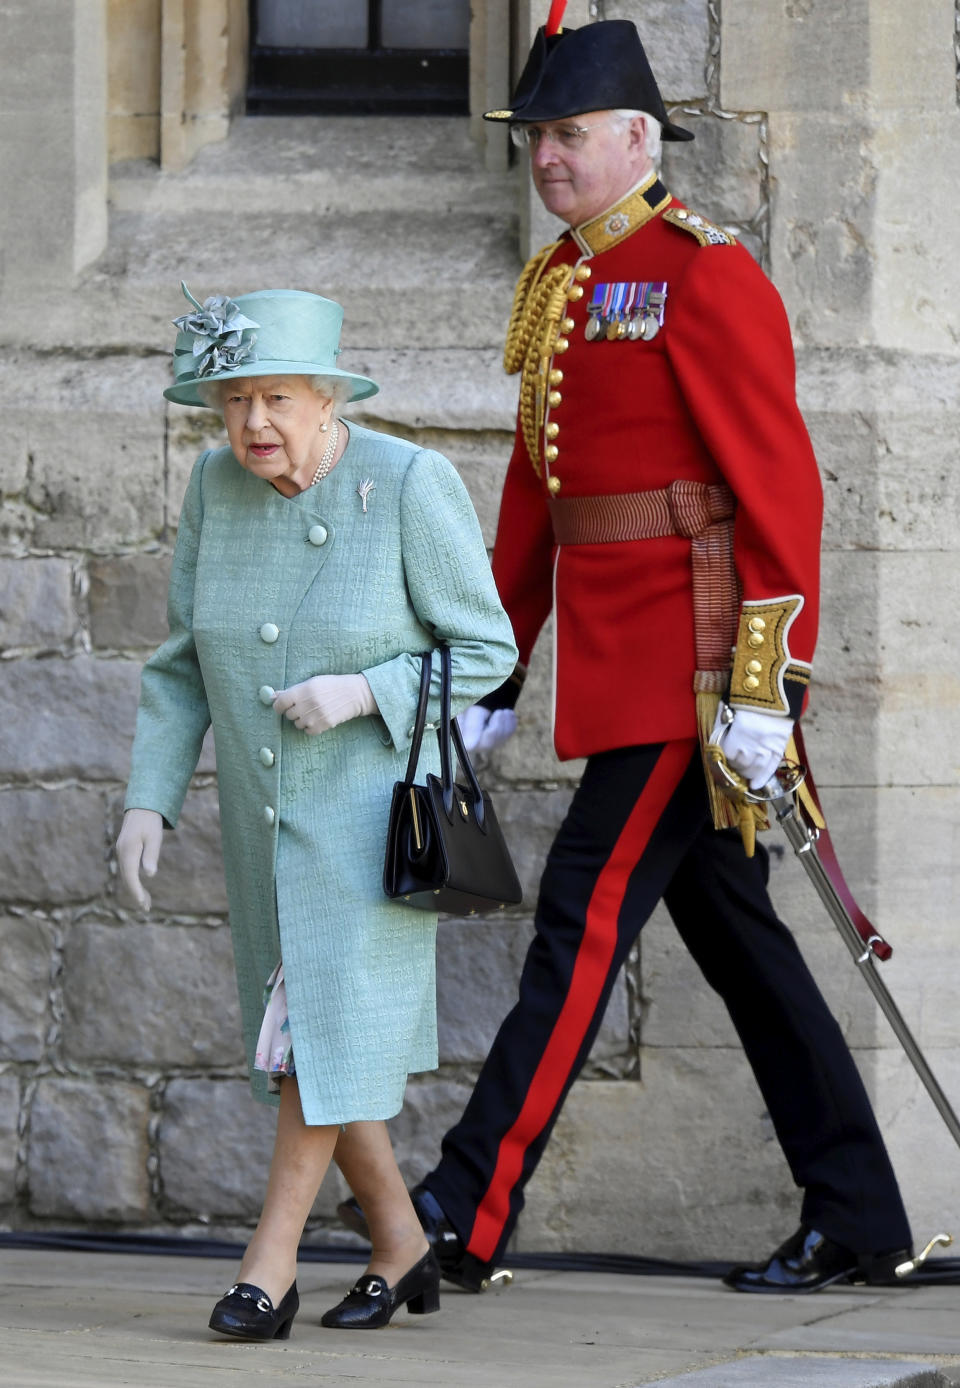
x=269, y=813
x=269, y=633
x=317, y=535
x=266, y=756
x=266, y=694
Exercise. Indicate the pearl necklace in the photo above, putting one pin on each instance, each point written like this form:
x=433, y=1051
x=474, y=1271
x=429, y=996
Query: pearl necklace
x=323, y=467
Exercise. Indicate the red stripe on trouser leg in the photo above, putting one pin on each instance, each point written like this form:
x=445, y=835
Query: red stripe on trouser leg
x=590, y=971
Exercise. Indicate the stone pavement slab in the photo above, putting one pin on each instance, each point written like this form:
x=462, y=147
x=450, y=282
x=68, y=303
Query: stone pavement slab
x=95, y=1320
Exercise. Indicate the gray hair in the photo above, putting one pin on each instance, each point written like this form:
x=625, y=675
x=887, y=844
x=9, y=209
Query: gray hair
x=335, y=388
x=652, y=137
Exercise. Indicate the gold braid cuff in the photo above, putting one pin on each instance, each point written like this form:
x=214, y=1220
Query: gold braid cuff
x=539, y=304
x=761, y=658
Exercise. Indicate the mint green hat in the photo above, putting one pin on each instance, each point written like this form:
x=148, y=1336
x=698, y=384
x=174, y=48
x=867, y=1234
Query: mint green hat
x=287, y=333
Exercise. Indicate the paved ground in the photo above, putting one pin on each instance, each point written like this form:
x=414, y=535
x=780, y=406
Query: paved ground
x=86, y=1320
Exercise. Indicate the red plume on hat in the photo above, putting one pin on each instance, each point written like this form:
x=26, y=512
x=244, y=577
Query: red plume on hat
x=555, y=17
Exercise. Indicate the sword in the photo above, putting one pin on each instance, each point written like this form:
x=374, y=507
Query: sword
x=865, y=945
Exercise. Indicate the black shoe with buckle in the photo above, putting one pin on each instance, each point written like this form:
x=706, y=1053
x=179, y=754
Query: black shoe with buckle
x=370, y=1303
x=809, y=1261
x=456, y=1264
x=247, y=1313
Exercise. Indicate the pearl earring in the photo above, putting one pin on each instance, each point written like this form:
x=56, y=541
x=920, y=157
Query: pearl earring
x=324, y=428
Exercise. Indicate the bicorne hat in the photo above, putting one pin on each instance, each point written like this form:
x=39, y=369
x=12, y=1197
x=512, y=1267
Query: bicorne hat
x=274, y=332
x=599, y=67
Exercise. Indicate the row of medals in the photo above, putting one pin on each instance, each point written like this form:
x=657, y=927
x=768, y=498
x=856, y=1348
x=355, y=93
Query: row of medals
x=642, y=327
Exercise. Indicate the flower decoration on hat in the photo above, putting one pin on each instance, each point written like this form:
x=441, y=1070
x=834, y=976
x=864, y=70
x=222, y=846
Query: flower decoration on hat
x=223, y=338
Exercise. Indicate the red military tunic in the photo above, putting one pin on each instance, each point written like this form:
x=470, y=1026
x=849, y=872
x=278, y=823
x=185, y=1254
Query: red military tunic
x=709, y=399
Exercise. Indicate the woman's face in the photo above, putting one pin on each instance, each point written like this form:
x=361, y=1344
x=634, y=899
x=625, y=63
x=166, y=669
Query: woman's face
x=274, y=426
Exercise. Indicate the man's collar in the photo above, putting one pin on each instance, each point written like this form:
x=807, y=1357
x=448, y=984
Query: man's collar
x=635, y=208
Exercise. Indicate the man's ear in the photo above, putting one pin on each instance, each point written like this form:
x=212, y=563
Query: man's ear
x=638, y=135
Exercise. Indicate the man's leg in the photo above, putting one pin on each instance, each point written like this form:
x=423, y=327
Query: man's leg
x=813, y=1091
x=629, y=823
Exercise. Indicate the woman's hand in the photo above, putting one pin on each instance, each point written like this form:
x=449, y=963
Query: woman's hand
x=138, y=845
x=318, y=704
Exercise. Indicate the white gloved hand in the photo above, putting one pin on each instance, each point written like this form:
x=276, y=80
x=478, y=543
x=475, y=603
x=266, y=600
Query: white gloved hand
x=483, y=728
x=321, y=703
x=138, y=845
x=753, y=743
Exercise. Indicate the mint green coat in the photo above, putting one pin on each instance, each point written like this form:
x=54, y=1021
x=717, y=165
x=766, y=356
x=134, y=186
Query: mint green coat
x=266, y=591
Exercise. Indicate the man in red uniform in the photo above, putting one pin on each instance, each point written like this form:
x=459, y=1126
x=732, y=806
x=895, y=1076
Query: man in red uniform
x=663, y=501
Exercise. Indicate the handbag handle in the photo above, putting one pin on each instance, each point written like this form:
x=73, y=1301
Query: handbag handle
x=448, y=731
x=416, y=737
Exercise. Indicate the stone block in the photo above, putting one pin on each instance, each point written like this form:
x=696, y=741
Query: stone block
x=431, y=1105
x=54, y=150
x=926, y=86
x=26, y=946
x=69, y=717
x=54, y=849
x=917, y=277
x=94, y=433
x=128, y=601
x=884, y=429
x=87, y=1155
x=783, y=62
x=187, y=1015
x=720, y=173
x=215, y=1144
x=676, y=38
x=478, y=972
x=887, y=674
x=134, y=69
x=9, y=1117
x=36, y=603
x=682, y=1165
x=822, y=259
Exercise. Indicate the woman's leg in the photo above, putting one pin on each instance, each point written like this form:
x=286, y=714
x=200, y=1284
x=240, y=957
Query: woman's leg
x=365, y=1157
x=301, y=1156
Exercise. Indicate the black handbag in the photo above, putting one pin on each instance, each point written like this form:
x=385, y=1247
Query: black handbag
x=445, y=850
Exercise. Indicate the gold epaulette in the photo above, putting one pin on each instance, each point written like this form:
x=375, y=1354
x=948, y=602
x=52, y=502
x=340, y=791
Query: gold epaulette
x=707, y=233
x=538, y=306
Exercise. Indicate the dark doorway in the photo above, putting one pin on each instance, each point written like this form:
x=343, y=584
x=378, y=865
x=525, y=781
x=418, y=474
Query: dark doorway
x=400, y=56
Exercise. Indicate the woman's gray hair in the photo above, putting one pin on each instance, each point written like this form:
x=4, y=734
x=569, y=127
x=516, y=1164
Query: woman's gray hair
x=653, y=141
x=335, y=388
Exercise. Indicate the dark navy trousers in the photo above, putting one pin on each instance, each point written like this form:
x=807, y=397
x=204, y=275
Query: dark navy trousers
x=638, y=830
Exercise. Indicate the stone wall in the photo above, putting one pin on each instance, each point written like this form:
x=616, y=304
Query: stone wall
x=124, y=1102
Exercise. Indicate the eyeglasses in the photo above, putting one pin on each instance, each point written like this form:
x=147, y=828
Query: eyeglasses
x=563, y=136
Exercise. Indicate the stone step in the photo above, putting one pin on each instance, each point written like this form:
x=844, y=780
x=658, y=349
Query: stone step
x=811, y=1371
x=316, y=165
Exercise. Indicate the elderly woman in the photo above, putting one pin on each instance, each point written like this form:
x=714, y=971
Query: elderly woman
x=315, y=561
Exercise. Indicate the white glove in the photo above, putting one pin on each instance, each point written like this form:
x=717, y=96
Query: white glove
x=483, y=728
x=753, y=743
x=138, y=845
x=321, y=703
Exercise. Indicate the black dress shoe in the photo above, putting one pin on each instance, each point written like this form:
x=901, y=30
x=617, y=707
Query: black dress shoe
x=456, y=1264
x=371, y=1303
x=247, y=1313
x=809, y=1261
